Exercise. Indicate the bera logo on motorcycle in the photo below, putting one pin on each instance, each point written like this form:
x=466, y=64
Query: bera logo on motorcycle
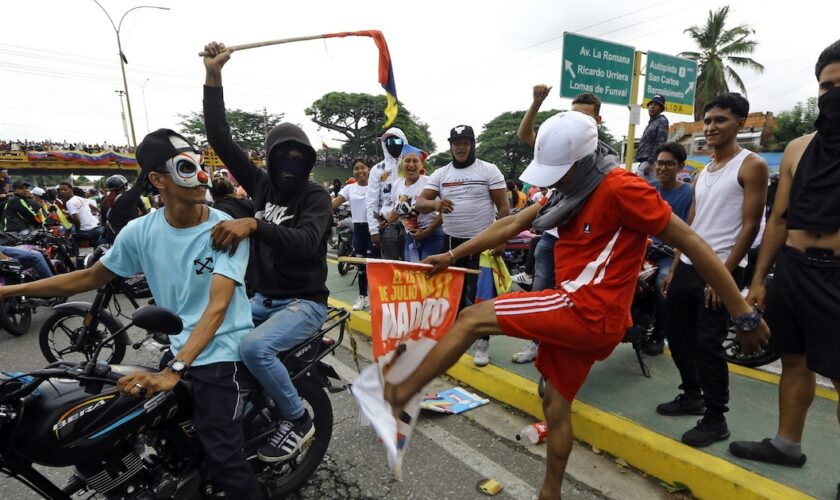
x=78, y=412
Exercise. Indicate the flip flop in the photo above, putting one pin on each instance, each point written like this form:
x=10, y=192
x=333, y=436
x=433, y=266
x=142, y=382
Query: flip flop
x=764, y=451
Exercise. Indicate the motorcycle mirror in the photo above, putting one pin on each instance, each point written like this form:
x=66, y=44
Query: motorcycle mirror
x=157, y=319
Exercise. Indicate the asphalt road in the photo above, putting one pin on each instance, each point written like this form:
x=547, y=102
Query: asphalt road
x=447, y=457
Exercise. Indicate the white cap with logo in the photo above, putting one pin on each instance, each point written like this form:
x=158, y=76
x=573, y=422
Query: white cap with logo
x=562, y=140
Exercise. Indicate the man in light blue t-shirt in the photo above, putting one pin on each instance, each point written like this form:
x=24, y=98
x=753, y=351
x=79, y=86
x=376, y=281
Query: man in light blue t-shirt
x=205, y=287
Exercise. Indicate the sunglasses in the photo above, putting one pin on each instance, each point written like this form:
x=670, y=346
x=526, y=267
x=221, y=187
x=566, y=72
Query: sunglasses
x=397, y=141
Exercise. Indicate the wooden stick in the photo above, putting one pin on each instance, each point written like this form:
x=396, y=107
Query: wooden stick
x=362, y=260
x=244, y=46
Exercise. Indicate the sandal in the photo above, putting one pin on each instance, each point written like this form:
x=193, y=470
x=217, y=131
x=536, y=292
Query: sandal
x=764, y=451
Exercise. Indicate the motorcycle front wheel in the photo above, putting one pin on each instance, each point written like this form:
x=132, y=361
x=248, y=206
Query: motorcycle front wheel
x=735, y=355
x=343, y=251
x=60, y=339
x=15, y=316
x=284, y=478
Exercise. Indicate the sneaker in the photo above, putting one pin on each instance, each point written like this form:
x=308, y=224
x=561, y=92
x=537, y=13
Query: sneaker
x=653, y=346
x=764, y=451
x=362, y=304
x=480, y=354
x=287, y=440
x=706, y=432
x=526, y=355
x=683, y=405
x=523, y=278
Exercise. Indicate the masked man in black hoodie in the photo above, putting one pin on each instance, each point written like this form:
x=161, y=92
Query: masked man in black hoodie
x=288, y=268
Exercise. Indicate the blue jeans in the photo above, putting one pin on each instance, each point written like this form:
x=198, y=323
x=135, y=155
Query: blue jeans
x=544, y=263
x=280, y=325
x=415, y=251
x=363, y=247
x=29, y=258
x=94, y=236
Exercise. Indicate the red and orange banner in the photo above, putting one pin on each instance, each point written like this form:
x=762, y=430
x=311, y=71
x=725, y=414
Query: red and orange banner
x=407, y=305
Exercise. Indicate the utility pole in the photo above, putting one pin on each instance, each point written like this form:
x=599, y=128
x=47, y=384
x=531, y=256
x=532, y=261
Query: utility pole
x=145, y=109
x=121, y=93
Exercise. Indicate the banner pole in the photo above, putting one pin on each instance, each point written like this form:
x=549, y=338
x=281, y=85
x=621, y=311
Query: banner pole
x=634, y=97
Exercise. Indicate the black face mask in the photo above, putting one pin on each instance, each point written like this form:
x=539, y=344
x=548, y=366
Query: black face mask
x=394, y=146
x=828, y=121
x=287, y=174
x=466, y=163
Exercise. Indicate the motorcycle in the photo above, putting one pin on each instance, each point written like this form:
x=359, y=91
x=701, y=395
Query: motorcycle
x=516, y=254
x=78, y=327
x=343, y=237
x=642, y=310
x=124, y=447
x=16, y=312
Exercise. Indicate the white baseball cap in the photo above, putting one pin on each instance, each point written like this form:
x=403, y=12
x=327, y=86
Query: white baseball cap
x=562, y=140
x=38, y=191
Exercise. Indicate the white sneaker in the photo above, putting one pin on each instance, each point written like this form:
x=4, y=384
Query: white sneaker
x=481, y=357
x=361, y=304
x=523, y=278
x=526, y=355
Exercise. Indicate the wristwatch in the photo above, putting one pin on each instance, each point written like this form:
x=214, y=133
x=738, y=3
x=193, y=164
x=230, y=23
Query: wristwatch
x=178, y=367
x=748, y=322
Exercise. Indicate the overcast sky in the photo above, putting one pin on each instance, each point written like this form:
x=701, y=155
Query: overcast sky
x=454, y=62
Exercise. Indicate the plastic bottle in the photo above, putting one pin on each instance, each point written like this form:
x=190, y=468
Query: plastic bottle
x=535, y=433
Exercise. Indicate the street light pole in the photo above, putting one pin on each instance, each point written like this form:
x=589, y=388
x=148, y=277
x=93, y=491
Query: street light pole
x=117, y=28
x=145, y=109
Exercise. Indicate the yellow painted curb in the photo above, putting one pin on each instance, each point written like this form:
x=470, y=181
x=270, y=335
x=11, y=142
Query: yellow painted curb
x=706, y=475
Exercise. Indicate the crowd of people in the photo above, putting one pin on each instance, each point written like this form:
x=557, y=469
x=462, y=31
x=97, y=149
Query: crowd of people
x=50, y=145
x=269, y=228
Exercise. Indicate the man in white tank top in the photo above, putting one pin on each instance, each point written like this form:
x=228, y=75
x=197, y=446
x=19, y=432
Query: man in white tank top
x=729, y=198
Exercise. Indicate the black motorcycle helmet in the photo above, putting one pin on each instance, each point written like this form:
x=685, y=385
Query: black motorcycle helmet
x=116, y=182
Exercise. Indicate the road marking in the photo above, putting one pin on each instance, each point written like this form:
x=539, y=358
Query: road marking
x=466, y=454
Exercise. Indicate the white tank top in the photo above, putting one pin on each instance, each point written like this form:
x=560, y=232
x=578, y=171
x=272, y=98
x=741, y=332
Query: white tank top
x=718, y=207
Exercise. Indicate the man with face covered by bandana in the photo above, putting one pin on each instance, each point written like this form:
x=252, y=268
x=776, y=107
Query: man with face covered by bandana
x=288, y=268
x=603, y=215
x=803, y=301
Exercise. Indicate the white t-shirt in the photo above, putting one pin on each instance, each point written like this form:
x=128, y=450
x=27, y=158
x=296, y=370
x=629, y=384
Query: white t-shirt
x=81, y=206
x=410, y=193
x=355, y=195
x=469, y=189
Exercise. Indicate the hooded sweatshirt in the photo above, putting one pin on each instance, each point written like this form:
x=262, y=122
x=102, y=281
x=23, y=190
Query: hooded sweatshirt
x=289, y=247
x=381, y=181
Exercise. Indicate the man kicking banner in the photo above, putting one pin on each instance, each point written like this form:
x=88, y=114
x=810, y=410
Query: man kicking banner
x=409, y=313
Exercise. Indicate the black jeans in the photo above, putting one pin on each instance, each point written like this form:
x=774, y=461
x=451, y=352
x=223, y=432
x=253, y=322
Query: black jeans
x=695, y=336
x=219, y=394
x=470, y=280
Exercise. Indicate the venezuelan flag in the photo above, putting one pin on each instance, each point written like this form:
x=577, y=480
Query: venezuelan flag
x=386, y=71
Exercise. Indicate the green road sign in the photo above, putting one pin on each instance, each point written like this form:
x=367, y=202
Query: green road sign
x=672, y=77
x=598, y=67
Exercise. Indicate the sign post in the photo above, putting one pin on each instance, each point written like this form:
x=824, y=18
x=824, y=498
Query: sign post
x=631, y=128
x=672, y=77
x=597, y=67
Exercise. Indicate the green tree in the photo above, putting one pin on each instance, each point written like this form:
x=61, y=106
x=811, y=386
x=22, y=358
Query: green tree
x=359, y=118
x=81, y=181
x=795, y=123
x=499, y=144
x=247, y=129
x=720, y=49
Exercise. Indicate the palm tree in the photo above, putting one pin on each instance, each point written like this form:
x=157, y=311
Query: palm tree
x=720, y=50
